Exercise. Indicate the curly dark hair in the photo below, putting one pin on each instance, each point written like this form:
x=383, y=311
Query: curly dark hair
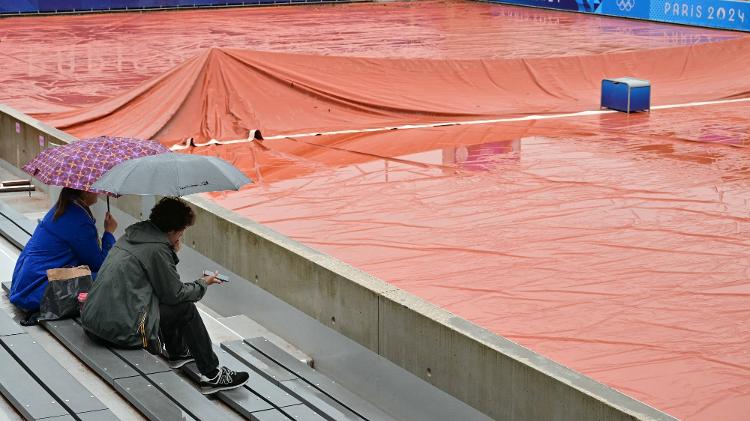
x=172, y=214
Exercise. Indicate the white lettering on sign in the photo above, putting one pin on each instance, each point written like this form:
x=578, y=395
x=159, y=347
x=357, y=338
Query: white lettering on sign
x=683, y=10
x=698, y=11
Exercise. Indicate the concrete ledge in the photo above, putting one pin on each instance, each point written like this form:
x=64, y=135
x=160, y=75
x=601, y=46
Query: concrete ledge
x=24, y=137
x=490, y=373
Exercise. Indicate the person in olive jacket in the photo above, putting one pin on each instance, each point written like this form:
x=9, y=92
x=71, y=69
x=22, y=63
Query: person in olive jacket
x=138, y=299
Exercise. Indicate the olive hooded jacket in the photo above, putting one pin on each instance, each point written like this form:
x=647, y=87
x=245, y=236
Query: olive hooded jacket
x=138, y=275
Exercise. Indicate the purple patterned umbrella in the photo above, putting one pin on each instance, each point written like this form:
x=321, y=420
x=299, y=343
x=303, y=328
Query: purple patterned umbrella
x=79, y=164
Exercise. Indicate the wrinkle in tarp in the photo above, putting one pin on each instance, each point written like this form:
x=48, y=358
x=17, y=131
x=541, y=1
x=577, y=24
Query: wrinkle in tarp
x=226, y=93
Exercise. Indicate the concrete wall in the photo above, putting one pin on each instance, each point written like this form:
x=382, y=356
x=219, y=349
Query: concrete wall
x=490, y=373
x=22, y=138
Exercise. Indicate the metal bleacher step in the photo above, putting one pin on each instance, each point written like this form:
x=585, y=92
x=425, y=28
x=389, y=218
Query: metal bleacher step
x=23, y=392
x=141, y=378
x=13, y=233
x=187, y=396
x=317, y=380
x=258, y=384
x=259, y=399
x=260, y=363
x=149, y=400
x=8, y=326
x=143, y=362
x=20, y=220
x=15, y=227
x=171, y=384
x=245, y=327
x=322, y=404
x=48, y=372
x=101, y=360
x=102, y=415
x=326, y=407
x=297, y=412
x=36, y=385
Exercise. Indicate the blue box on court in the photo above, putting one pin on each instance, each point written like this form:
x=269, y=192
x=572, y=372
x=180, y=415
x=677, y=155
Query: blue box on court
x=626, y=94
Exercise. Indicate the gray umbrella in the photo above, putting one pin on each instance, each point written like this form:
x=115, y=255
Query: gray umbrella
x=171, y=174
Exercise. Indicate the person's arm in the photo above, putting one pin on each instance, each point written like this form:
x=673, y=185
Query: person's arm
x=166, y=281
x=108, y=238
x=85, y=245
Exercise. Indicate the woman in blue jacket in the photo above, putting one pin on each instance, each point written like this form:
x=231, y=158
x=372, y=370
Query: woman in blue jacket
x=66, y=237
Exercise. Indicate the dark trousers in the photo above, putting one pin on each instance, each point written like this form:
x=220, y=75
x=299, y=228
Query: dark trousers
x=182, y=327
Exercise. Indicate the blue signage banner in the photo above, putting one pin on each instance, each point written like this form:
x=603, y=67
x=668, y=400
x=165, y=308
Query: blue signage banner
x=14, y=7
x=723, y=14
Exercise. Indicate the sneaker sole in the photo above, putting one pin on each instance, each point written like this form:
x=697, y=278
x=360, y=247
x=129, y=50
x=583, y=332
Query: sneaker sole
x=221, y=388
x=181, y=363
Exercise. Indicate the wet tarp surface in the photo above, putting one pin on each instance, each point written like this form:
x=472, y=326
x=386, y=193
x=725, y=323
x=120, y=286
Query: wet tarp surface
x=613, y=244
x=225, y=93
x=55, y=62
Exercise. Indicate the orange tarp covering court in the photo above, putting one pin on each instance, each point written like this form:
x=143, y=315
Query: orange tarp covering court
x=54, y=63
x=614, y=244
x=223, y=94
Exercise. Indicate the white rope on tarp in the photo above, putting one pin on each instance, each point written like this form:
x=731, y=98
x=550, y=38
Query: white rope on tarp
x=256, y=135
x=190, y=142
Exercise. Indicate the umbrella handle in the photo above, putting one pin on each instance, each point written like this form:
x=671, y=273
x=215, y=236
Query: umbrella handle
x=107, y=203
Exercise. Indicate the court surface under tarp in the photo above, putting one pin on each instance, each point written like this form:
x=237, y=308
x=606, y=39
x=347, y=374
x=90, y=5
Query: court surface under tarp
x=614, y=244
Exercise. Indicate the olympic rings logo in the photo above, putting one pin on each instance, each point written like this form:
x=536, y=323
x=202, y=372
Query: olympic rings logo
x=625, y=5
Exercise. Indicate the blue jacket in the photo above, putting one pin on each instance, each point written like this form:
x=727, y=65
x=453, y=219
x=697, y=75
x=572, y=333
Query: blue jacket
x=69, y=241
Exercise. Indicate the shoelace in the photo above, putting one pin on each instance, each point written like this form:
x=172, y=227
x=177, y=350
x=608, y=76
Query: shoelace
x=226, y=376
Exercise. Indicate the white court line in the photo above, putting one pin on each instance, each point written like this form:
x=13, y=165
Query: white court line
x=189, y=142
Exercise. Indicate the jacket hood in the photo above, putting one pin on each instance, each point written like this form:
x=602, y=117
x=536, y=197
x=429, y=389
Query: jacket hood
x=145, y=232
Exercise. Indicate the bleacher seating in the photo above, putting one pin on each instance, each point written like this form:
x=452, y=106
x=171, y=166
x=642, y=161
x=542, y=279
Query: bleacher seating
x=15, y=227
x=36, y=385
x=280, y=386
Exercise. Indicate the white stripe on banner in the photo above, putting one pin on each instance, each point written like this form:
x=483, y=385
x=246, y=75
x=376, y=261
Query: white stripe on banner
x=189, y=142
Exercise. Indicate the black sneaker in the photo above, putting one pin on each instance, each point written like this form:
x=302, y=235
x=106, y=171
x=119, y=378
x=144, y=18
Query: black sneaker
x=225, y=379
x=180, y=359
